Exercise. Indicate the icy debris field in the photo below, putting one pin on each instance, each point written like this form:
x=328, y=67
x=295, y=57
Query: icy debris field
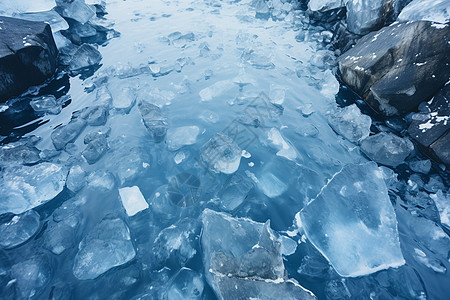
x=195, y=150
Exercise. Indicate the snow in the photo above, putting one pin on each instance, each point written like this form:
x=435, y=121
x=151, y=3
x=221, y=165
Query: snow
x=132, y=200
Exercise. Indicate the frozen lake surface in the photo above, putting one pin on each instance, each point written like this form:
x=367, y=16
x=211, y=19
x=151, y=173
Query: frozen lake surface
x=204, y=120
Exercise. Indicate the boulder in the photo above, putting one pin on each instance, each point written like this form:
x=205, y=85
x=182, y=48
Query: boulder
x=395, y=69
x=364, y=16
x=431, y=129
x=28, y=55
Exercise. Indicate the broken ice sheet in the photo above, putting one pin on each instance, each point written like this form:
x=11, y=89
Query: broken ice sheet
x=352, y=222
x=243, y=259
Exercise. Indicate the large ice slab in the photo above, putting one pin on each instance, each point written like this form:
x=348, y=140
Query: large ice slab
x=132, y=200
x=243, y=259
x=352, y=222
x=24, y=188
x=432, y=10
x=107, y=246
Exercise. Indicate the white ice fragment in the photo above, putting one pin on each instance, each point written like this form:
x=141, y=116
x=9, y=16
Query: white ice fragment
x=215, y=90
x=285, y=150
x=132, y=200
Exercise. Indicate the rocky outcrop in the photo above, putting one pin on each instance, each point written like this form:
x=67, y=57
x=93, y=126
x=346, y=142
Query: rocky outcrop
x=431, y=127
x=28, y=55
x=396, y=68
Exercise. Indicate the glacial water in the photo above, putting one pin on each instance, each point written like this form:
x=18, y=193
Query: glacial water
x=218, y=73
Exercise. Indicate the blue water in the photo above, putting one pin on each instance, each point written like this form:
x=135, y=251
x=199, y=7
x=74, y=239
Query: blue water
x=233, y=71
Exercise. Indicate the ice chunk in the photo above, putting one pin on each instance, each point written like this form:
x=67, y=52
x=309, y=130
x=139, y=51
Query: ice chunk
x=442, y=202
x=19, y=229
x=181, y=136
x=31, y=276
x=221, y=154
x=242, y=259
x=184, y=189
x=125, y=99
x=132, y=200
x=273, y=179
x=420, y=166
x=101, y=180
x=58, y=237
x=76, y=10
x=238, y=288
x=217, y=89
x=11, y=7
x=387, y=148
x=19, y=153
x=186, y=284
x=106, y=246
x=65, y=134
x=96, y=115
x=352, y=222
x=350, y=123
x=271, y=185
x=324, y=5
x=364, y=16
x=23, y=188
x=128, y=163
x=183, y=40
x=84, y=57
x=46, y=104
x=277, y=94
x=285, y=150
x=434, y=10
x=51, y=17
x=175, y=245
x=154, y=120
x=95, y=149
x=76, y=179
x=234, y=192
x=257, y=59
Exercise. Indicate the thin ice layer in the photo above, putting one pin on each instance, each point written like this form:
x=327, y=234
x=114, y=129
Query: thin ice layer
x=352, y=222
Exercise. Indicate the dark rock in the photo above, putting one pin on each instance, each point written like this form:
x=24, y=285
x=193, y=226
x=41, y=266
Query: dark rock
x=28, y=55
x=441, y=149
x=398, y=67
x=426, y=128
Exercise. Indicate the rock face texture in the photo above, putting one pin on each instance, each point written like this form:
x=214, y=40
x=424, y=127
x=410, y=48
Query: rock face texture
x=398, y=67
x=431, y=128
x=28, y=55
